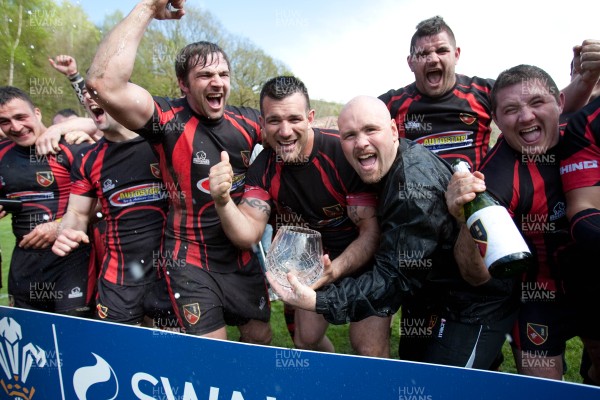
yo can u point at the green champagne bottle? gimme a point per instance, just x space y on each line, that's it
500 243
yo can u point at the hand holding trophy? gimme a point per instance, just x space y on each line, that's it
298 250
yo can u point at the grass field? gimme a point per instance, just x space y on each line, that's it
281 338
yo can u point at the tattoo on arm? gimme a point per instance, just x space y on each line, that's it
258 204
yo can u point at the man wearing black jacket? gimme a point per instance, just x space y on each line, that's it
453 312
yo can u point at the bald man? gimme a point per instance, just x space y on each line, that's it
453 312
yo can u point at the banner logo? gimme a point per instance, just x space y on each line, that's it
16 363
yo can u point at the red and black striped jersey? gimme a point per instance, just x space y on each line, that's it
455 125
313 194
125 177
529 187
42 183
581 149
188 145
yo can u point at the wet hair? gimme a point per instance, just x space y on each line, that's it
283 86
9 93
519 74
199 53
429 27
66 112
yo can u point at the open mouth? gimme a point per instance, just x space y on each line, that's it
97 111
215 100
531 135
434 77
367 160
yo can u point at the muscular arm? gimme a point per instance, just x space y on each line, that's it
245 223
360 250
74 225
112 66
47 142
582 199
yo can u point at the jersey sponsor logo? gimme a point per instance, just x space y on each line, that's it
155 169
192 312
467 118
22 357
137 194
44 178
102 311
536 333
30 196
107 185
246 157
238 181
200 158
480 236
573 167
75 293
447 140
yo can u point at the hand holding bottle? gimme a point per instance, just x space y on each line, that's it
463 188
500 243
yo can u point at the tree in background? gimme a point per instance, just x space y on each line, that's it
35 30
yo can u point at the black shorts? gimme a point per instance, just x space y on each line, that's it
41 280
207 301
545 327
427 336
130 304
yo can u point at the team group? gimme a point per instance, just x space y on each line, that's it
151 215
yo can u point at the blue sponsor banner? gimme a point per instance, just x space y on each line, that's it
47 356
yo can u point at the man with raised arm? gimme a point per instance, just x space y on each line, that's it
212 282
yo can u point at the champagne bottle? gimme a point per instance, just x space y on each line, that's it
500 243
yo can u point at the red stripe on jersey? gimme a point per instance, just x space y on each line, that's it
240 129
181 162
256 192
339 197
514 201
401 114
476 106
166 116
8 145
540 202
96 172
589 134
361 200
63 182
276 182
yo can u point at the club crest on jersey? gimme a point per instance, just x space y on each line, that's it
102 311
480 236
44 178
21 358
200 158
246 157
536 333
191 312
467 118
155 169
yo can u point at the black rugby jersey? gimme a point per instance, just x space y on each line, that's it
581 148
529 187
42 183
188 146
313 194
455 125
125 177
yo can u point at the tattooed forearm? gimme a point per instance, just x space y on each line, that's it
258 204
359 213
